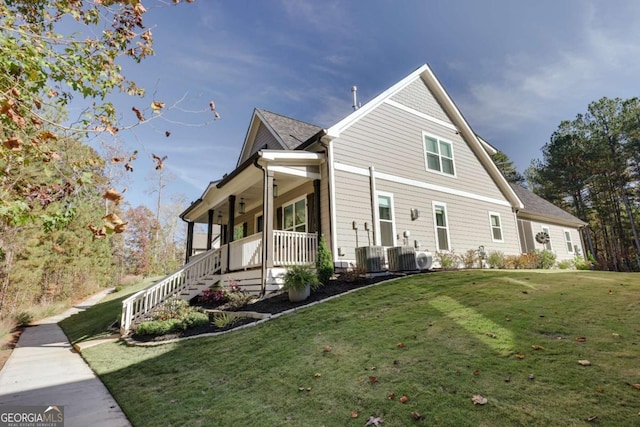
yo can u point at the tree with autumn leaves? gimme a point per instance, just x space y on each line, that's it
52 53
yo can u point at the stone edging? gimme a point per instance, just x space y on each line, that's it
131 342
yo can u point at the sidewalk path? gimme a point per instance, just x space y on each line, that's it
44 369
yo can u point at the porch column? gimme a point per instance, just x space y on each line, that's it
210 229
230 226
267 228
189 249
318 212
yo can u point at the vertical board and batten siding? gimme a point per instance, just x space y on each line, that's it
263 137
391 140
558 244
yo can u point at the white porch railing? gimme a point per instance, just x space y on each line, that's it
142 302
291 248
246 253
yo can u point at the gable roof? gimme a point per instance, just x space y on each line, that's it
539 208
288 132
479 147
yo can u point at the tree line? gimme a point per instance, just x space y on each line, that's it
591 167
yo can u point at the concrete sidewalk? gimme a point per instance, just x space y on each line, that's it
44 369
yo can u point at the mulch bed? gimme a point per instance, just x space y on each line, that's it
275 304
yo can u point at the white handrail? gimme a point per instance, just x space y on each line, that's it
291 247
143 301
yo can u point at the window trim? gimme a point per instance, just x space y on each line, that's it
393 218
255 223
567 242
446 227
491 227
440 156
293 202
547 229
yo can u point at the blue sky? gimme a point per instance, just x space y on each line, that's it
515 70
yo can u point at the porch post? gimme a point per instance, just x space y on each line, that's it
230 225
318 212
189 248
210 229
267 228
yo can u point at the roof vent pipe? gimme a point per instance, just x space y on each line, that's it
354 91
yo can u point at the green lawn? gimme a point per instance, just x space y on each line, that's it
461 333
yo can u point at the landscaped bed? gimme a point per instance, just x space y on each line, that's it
270 306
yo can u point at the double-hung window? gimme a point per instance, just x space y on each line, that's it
567 239
496 227
442 226
438 155
547 244
385 216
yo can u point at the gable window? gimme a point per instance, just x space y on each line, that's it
438 155
385 215
547 244
567 239
294 216
441 225
496 227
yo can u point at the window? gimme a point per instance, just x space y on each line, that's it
294 216
547 244
438 155
238 231
496 227
567 239
385 215
259 223
441 225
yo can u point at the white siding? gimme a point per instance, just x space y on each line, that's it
558 243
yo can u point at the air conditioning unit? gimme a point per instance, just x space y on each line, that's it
424 260
401 258
370 258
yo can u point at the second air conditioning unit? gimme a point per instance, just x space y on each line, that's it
401 258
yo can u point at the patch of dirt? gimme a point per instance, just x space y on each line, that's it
7 344
275 304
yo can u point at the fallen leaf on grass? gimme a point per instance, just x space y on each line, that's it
374 421
478 399
373 380
581 339
404 399
391 396
317 375
537 347
326 349
584 362
636 386
354 414
417 416
400 345
520 355
600 390
531 377
491 335
592 418
476 372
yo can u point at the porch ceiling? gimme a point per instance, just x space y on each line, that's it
247 183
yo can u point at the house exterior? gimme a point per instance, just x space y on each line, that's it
404 170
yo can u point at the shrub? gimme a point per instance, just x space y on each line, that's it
158 327
24 318
353 275
470 258
194 319
582 264
237 300
565 264
324 262
172 308
222 320
448 260
497 259
545 259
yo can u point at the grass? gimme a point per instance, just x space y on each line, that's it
280 372
95 322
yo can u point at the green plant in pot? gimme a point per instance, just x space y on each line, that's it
298 282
